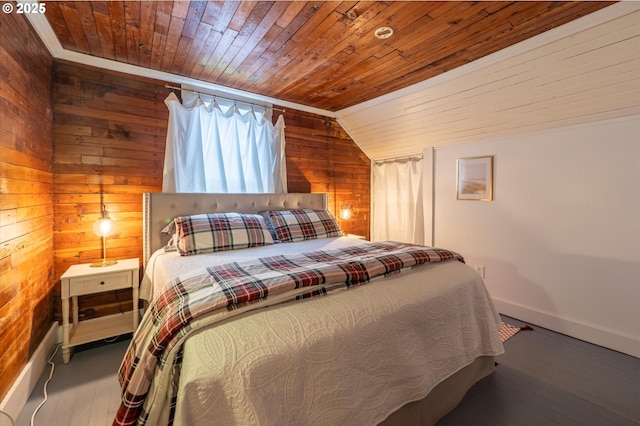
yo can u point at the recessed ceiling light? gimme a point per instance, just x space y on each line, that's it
384 32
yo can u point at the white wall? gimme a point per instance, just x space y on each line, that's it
561 240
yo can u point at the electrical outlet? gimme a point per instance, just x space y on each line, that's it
480 270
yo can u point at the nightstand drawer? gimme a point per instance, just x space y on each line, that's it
100 283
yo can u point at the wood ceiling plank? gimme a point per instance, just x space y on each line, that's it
441 10
365 47
280 45
255 43
184 45
220 49
195 50
180 9
250 23
160 31
338 37
294 8
173 38
424 34
351 68
399 21
355 38
317 53
74 25
58 25
207 51
219 14
89 27
163 17
255 60
495 6
132 13
312 29
103 26
442 58
229 33
193 18
132 30
157 50
242 14
116 15
100 7
354 83
147 25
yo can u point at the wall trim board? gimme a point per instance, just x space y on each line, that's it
16 398
587 332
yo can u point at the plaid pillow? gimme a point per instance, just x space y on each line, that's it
168 237
206 233
301 224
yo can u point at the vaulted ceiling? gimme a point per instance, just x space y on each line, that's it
319 54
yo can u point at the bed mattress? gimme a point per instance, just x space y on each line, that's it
352 357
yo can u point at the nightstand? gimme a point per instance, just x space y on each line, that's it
360 237
83 279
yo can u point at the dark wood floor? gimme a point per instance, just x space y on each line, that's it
544 378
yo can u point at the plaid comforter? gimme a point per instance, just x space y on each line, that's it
203 297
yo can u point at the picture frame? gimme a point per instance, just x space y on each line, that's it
475 178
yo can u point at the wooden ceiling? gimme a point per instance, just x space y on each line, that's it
318 54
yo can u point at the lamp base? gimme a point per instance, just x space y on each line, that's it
103 262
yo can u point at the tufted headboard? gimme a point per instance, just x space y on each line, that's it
159 208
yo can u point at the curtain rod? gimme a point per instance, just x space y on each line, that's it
168 86
407 158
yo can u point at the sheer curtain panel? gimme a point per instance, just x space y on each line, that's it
397 201
211 150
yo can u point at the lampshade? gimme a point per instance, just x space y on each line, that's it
345 212
104 227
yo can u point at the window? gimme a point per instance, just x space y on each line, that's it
220 146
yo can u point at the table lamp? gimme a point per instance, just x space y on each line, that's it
104 227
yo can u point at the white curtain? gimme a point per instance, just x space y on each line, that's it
211 150
397 201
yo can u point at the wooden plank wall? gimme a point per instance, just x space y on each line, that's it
321 157
26 216
109 137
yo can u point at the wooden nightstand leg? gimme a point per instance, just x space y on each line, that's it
66 351
74 299
66 355
136 313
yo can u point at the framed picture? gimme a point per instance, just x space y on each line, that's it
475 179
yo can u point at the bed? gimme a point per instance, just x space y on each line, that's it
397 348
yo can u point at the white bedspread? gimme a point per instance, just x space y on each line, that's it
350 358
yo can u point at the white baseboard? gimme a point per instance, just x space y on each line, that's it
589 333
18 395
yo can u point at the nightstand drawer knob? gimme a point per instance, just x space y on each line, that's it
101 282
